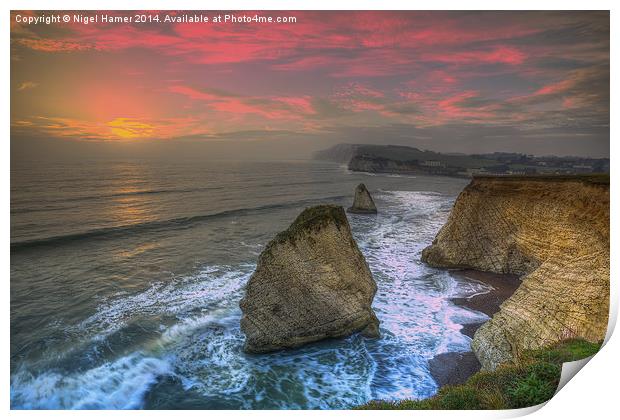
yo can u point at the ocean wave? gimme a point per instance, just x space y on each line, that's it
169 224
200 344
208 291
203 304
120 384
15 209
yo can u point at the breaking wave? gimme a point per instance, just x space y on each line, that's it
193 334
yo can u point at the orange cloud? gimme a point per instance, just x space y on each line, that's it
116 129
27 85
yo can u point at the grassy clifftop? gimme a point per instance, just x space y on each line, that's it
598 178
531 381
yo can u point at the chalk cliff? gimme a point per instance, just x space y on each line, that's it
311 283
554 231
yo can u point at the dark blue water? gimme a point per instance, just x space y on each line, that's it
126 278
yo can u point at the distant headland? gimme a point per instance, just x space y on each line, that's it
412 161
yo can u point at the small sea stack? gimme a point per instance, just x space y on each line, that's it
311 283
363 202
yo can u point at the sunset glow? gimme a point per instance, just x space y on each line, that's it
531 74
129 129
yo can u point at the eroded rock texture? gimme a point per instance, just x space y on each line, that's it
554 232
311 283
362 202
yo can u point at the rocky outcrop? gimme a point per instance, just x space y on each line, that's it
554 231
311 283
362 202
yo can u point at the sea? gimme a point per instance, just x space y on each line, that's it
126 277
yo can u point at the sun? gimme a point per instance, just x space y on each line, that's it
128 128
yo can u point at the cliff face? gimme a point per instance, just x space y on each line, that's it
372 164
552 231
375 164
311 283
340 153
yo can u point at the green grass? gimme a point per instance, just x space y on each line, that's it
532 381
595 178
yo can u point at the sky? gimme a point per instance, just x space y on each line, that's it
531 82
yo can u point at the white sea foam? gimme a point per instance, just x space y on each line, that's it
122 383
399 176
115 385
212 286
203 346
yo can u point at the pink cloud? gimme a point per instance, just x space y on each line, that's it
329 68
275 108
453 108
554 88
498 55
376 41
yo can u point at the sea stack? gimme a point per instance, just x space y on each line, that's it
311 283
363 202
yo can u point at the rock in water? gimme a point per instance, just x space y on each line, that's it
311 283
363 202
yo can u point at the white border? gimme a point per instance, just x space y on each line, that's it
592 394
